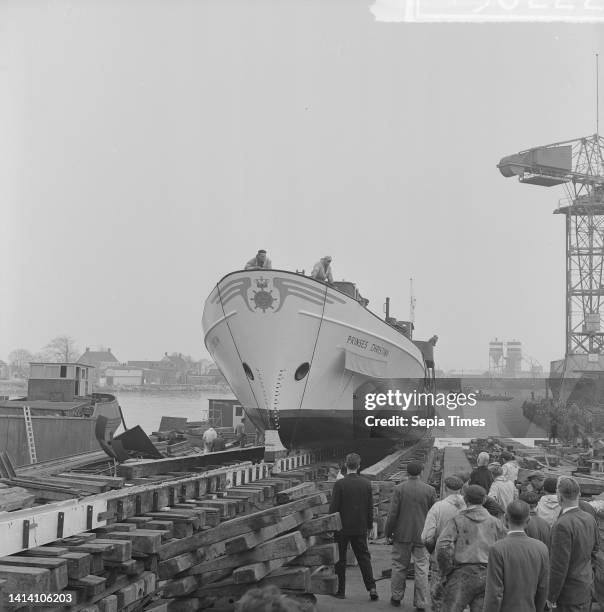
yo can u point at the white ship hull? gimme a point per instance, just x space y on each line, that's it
300 355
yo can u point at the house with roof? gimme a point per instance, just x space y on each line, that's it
100 360
170 370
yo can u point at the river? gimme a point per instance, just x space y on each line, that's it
147 409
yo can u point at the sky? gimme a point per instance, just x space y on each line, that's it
149 148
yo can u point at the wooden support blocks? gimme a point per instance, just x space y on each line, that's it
329 522
324 582
224 531
120 549
91 585
46 551
25 579
324 554
169 568
56 566
78 564
108 604
116 527
256 571
168 527
298 492
250 540
143 540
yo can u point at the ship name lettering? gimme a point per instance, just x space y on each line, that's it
376 348
357 342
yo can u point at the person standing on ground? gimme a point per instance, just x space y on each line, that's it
510 466
240 432
481 475
352 497
409 507
548 507
462 553
436 519
259 262
536 528
208 438
503 490
574 546
219 443
322 270
535 483
518 567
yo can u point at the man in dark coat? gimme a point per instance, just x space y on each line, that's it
574 545
518 567
410 503
352 497
481 475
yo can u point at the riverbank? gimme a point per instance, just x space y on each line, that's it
17 387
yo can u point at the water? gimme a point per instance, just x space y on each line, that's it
147 409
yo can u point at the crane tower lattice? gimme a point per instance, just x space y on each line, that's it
579 166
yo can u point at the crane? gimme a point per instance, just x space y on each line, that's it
578 165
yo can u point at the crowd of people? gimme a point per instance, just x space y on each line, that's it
491 544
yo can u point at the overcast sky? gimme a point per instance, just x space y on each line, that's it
149 148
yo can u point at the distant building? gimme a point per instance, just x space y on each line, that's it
100 360
124 376
4 370
59 382
170 370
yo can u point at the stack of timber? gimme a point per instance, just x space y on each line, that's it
177 546
284 545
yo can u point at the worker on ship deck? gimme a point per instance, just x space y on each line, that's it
259 262
240 432
209 437
322 270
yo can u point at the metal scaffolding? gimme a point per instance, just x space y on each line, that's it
579 166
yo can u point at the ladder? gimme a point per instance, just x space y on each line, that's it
29 431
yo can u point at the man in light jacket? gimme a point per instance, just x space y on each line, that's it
462 553
510 466
548 507
518 567
322 270
438 516
208 438
503 490
259 262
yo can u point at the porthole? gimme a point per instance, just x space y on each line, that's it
302 371
248 371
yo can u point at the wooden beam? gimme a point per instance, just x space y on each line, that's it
288 545
228 529
247 541
55 565
181 464
43 522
